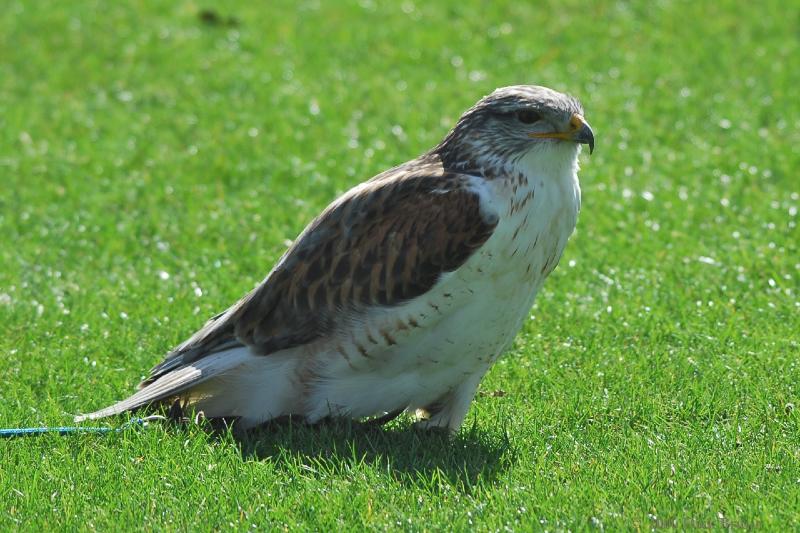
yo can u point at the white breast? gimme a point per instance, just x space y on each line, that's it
538 211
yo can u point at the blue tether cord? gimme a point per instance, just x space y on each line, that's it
68 430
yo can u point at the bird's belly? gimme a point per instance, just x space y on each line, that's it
410 355
422 367
462 327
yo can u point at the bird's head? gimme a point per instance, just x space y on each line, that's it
515 121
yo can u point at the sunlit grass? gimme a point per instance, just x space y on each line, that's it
154 162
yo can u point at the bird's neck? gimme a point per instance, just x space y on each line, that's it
471 155
557 164
465 153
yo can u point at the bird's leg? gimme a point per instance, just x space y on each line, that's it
384 419
175 414
449 410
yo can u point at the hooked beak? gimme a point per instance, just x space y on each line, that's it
580 132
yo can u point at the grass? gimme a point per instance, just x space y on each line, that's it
154 164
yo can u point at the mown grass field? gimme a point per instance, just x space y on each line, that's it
154 161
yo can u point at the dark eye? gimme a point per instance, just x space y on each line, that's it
528 116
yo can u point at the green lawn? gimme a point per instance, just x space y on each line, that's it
155 161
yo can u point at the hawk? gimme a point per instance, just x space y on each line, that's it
401 294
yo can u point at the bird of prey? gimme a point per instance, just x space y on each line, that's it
401 294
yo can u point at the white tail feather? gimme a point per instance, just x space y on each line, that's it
175 382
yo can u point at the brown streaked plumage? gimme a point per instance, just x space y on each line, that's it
379 287
363 250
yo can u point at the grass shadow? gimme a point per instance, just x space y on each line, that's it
411 456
